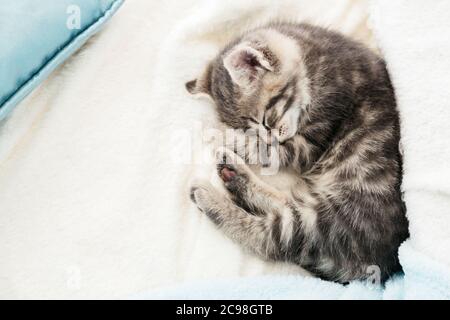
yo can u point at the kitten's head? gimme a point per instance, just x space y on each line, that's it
257 82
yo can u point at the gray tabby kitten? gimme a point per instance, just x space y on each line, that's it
329 106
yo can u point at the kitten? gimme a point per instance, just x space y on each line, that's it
328 105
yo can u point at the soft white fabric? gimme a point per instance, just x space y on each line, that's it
412 37
93 184
414 41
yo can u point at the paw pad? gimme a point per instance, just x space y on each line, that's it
226 174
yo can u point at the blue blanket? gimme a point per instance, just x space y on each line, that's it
423 279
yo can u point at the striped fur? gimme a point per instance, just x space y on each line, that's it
329 106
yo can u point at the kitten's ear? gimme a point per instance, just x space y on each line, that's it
191 87
246 64
200 86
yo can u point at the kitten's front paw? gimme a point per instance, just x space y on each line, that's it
232 170
235 181
226 172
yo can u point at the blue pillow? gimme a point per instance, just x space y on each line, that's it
36 36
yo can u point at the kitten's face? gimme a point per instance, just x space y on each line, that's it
258 83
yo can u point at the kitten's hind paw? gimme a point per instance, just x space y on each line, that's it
200 193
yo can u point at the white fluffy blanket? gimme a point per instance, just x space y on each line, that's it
95 164
412 35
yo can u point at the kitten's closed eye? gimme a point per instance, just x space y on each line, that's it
251 119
